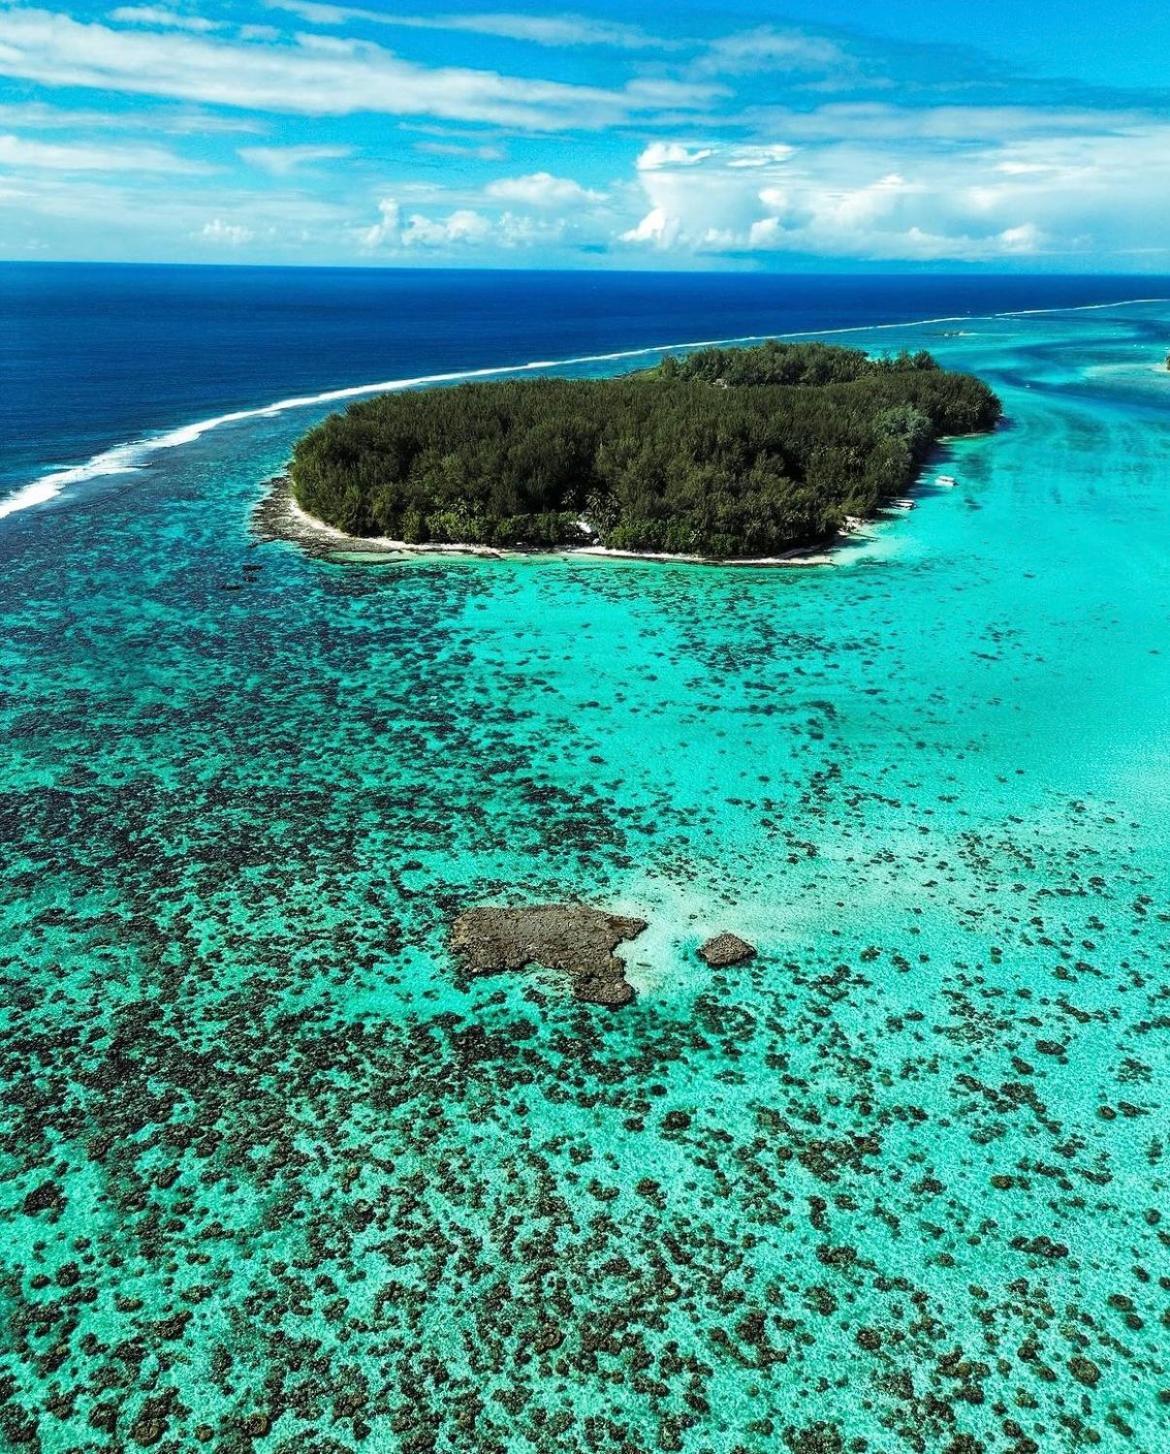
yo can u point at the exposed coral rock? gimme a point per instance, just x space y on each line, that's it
574 938
726 949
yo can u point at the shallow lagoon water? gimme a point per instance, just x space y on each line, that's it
277 1178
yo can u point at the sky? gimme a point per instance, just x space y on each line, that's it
826 135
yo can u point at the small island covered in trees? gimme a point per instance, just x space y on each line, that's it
722 453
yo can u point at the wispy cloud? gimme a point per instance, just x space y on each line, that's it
742 156
98 205
942 125
545 30
481 152
18 151
178 121
767 48
314 76
282 161
161 18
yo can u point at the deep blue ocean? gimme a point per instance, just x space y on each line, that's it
93 356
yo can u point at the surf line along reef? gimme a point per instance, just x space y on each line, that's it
724 453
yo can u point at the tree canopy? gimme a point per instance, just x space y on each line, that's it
724 452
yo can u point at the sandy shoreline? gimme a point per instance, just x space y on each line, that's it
279 517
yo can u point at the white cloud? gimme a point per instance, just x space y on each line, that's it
1027 238
524 231
768 49
226 233
662 154
311 75
561 30
459 228
484 152
864 206
125 217
658 227
972 199
542 189
182 121
546 30
156 16
757 156
388 230
282 161
17 151
316 14
873 121
672 154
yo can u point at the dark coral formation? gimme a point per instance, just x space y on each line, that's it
726 949
573 938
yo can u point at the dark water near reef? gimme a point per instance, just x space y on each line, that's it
275 1178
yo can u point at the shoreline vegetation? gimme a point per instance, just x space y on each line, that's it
752 455
278 517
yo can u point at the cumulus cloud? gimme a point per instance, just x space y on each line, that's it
973 200
387 230
460 228
659 228
542 189
454 231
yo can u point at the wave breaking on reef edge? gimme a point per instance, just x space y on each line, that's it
133 455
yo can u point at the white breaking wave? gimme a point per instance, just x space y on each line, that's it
126 458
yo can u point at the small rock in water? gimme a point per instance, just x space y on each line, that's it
726 949
574 938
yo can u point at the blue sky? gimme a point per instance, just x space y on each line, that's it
682 135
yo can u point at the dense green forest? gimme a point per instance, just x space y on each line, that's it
725 452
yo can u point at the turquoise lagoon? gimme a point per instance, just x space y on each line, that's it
278 1178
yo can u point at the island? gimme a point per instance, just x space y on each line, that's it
722 453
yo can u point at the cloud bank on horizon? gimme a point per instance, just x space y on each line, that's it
626 135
